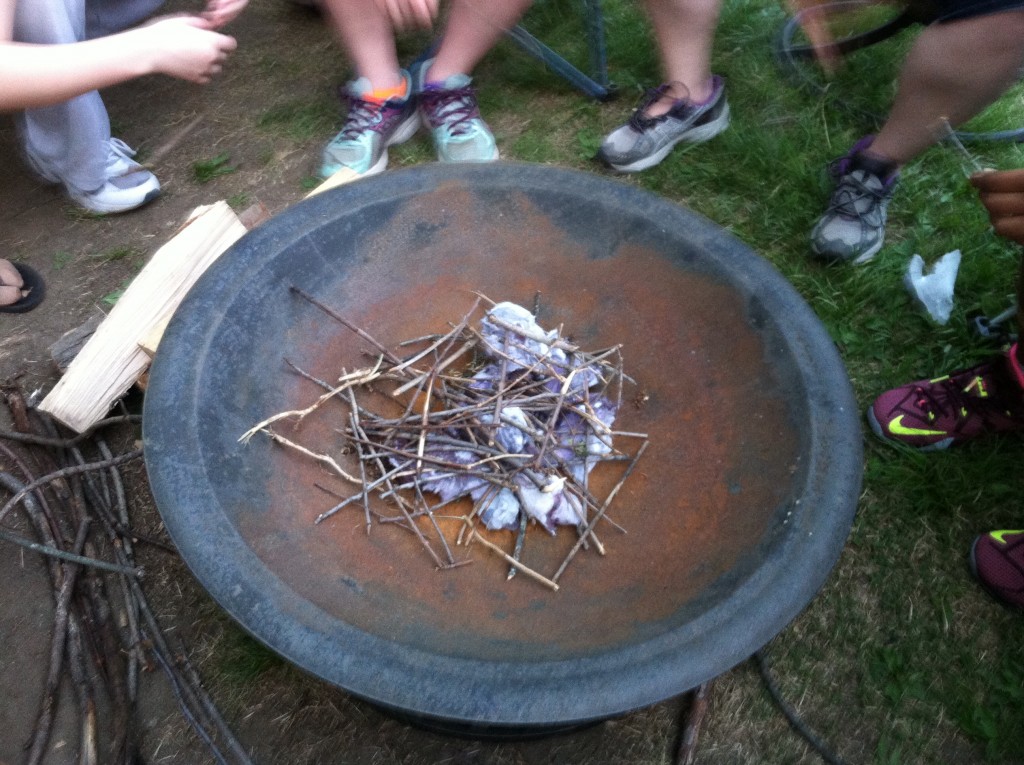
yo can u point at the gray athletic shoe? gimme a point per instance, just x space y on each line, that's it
852 230
644 141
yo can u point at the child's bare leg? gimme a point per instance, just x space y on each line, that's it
953 71
474 27
367 36
685 32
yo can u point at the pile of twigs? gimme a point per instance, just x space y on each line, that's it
72 495
514 428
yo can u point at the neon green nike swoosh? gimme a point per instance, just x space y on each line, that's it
897 428
999 536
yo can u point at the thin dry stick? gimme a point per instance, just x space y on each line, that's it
120 535
345 322
84 690
56 552
47 709
169 145
687 754
324 459
517 551
65 473
425 507
468 346
359 377
366 488
422 441
189 696
126 541
447 338
512 561
515 329
405 511
353 417
206 704
185 704
601 512
31 438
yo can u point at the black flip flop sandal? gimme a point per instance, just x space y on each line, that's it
34 283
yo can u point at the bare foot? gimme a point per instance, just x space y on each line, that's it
10 284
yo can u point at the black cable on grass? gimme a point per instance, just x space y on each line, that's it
798 725
790 56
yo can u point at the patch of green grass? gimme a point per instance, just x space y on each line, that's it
245 660
240 201
61 259
113 296
995 717
301 120
81 214
206 170
118 253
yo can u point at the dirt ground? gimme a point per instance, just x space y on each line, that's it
285 57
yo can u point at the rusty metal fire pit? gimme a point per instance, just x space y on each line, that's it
734 517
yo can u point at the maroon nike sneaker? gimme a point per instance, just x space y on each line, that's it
997 560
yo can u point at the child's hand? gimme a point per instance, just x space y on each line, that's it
409 13
220 12
1002 193
184 47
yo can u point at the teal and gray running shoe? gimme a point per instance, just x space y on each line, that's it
370 128
449 110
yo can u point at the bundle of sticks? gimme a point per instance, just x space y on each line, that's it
71 493
508 416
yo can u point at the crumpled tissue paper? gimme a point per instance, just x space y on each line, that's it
932 288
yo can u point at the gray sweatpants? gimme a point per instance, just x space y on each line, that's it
68 140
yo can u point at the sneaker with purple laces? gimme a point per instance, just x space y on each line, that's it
645 141
852 229
997 561
929 415
370 128
449 110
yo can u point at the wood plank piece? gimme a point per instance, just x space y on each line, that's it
111 361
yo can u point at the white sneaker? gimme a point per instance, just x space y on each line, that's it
119 193
119 158
119 162
128 184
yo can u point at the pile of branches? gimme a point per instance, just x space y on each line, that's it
508 415
72 495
